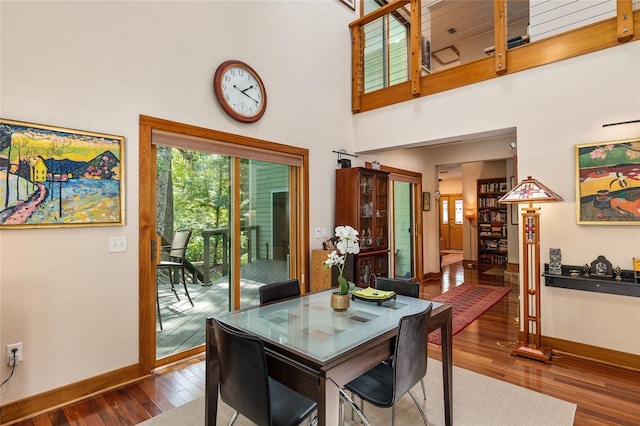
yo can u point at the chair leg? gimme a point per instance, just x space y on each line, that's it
422 413
424 392
184 283
354 406
171 278
158 303
233 418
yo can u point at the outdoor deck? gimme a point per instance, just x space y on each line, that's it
184 326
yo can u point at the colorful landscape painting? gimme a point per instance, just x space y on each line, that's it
52 177
608 183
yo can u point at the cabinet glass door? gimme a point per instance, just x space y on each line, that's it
382 230
366 211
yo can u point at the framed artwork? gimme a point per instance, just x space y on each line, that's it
608 183
350 3
57 177
426 201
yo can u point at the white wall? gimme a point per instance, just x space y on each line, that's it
97 66
552 108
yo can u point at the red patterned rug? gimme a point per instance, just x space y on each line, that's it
469 302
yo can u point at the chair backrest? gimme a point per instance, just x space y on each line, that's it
410 354
401 287
278 291
244 378
180 243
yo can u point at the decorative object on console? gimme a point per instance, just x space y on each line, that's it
608 183
636 269
601 267
530 190
347 244
555 261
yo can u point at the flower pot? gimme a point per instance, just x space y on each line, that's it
339 302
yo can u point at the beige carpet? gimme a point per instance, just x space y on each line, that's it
478 401
448 259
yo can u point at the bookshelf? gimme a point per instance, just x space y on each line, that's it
492 222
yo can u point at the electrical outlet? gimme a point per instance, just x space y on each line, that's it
318 232
18 355
117 244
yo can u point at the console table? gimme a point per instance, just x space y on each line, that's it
625 287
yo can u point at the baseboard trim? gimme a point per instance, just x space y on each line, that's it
596 354
46 401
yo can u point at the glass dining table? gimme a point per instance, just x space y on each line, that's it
315 350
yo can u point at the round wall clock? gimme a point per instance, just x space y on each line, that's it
239 91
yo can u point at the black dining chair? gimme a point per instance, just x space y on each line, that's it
386 383
245 384
279 291
403 288
175 263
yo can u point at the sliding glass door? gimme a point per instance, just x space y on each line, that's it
242 204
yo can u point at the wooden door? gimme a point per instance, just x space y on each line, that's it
451 220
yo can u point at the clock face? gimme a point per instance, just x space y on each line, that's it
240 91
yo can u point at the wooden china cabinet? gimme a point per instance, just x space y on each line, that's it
362 202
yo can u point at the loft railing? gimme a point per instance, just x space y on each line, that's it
412 48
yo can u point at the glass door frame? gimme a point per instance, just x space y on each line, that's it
415 179
150 127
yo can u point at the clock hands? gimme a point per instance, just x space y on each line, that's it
244 92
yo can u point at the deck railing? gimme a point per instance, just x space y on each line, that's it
411 48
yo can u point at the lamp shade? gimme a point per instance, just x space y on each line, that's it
530 190
470 214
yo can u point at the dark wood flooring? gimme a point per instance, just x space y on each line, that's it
605 395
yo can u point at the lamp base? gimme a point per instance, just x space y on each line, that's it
539 354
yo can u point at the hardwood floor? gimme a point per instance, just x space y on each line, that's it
605 395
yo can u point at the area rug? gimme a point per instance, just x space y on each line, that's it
494 271
477 401
469 302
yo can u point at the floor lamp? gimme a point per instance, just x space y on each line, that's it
530 190
470 215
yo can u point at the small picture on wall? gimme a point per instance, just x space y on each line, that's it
350 3
426 201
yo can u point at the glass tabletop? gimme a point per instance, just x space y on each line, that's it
310 326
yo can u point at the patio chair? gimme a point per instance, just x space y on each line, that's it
386 383
279 291
175 263
245 384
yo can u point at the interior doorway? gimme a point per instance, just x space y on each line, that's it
451 220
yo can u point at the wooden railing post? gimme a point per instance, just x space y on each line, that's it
415 33
625 20
357 65
500 28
